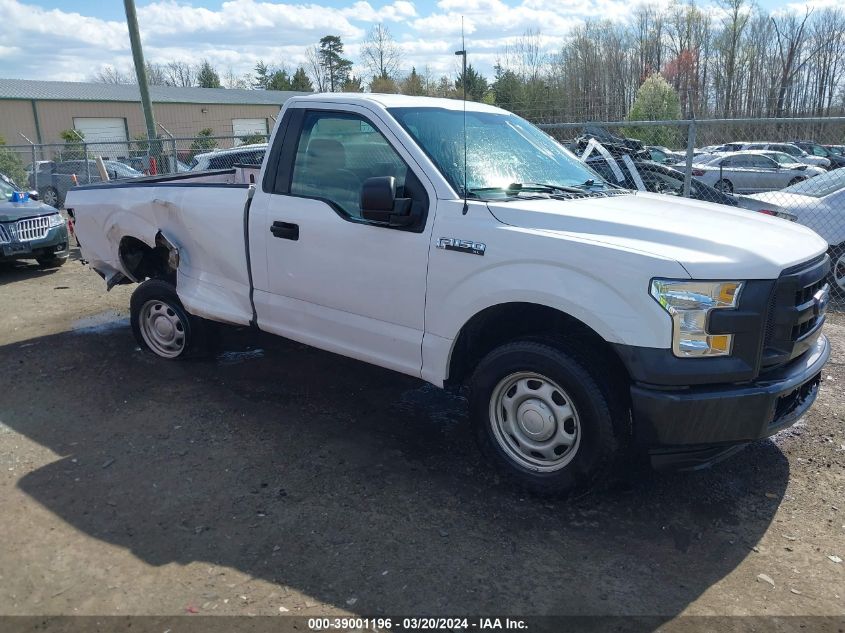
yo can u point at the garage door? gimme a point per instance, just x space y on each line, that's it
110 132
243 128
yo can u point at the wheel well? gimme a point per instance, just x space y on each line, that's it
145 262
508 322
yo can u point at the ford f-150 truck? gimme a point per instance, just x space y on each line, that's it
469 248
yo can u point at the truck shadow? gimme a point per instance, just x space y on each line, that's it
344 480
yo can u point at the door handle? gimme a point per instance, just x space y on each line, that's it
285 230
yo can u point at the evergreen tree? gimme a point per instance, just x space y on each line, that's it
412 84
301 82
476 84
207 77
279 80
262 75
337 68
352 84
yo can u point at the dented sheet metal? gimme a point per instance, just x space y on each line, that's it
200 226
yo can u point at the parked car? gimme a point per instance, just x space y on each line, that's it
226 158
790 162
786 148
56 178
815 149
582 316
30 229
747 172
839 150
819 204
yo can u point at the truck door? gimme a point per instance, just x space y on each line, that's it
328 277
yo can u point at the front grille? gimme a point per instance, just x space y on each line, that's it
795 317
33 229
4 235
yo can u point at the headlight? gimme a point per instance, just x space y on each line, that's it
689 303
56 220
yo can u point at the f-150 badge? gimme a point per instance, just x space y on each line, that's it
462 246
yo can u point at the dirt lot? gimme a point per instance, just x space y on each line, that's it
278 477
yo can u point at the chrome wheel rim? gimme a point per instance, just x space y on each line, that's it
839 271
162 329
51 198
535 422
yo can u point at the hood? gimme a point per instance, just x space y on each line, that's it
710 241
13 211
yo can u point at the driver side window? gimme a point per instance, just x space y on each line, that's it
336 153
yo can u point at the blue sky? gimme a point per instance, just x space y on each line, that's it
73 40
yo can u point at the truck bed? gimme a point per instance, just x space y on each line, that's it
201 214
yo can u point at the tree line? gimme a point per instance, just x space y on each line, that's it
737 62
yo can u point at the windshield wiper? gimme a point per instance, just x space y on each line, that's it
540 186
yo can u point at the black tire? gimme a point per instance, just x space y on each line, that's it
189 335
51 262
50 196
795 181
587 394
724 185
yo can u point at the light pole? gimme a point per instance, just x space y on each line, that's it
140 70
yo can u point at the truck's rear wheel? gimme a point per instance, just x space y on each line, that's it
160 323
541 417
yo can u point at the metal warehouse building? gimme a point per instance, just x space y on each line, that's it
41 110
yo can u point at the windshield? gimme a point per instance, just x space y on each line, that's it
783 159
502 149
820 186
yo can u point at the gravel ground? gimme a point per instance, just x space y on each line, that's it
278 477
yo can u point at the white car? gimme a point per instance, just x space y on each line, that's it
819 204
787 148
227 158
583 317
749 172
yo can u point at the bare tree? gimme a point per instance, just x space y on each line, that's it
112 75
315 69
380 54
179 73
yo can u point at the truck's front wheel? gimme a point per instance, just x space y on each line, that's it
542 417
160 323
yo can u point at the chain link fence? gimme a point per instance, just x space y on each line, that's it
792 168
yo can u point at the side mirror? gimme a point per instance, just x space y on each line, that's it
380 204
33 195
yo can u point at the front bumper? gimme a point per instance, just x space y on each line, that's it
54 244
697 426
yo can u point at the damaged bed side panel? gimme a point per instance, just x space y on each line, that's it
204 224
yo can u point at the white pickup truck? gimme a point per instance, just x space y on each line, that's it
470 248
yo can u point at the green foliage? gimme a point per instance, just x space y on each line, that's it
352 84
203 142
252 139
279 80
508 90
207 77
412 84
11 165
656 100
262 76
301 82
383 85
476 84
337 68
73 148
